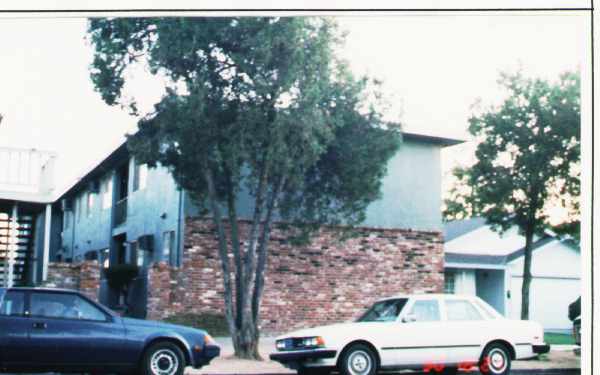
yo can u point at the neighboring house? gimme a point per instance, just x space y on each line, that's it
121 212
481 261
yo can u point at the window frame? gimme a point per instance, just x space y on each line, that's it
107 189
407 310
107 317
24 314
482 316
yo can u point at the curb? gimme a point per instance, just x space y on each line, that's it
550 371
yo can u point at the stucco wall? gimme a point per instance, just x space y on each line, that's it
411 191
151 210
325 281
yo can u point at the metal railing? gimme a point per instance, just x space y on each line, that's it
26 171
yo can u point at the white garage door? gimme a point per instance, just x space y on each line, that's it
549 300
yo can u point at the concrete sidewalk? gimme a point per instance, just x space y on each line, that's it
561 357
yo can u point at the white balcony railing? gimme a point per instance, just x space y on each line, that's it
26 174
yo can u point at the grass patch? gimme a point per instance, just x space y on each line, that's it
214 324
559 339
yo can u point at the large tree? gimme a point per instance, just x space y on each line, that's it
257 108
527 163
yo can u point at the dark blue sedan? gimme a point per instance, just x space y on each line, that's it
45 330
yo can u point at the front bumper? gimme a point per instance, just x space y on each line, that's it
540 349
203 357
302 355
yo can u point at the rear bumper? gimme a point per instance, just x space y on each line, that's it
540 349
301 356
207 354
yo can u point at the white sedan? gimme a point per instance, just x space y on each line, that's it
430 332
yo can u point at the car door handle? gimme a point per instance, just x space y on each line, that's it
40 325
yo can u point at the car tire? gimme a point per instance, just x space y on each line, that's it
495 360
163 358
358 359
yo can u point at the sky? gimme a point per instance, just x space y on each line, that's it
433 68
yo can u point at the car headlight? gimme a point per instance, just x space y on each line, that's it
280 344
208 340
313 342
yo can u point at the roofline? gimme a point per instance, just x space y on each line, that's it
443 141
496 259
91 171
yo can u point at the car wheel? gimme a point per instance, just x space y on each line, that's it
495 360
163 358
359 359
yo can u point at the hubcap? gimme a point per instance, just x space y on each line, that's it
164 362
497 360
359 363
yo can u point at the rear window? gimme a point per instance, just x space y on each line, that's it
13 304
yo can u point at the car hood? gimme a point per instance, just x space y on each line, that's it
131 322
328 330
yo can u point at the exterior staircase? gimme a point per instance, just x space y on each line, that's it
16 249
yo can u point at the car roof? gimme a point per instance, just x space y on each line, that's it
429 296
41 289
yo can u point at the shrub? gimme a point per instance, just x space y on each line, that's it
214 324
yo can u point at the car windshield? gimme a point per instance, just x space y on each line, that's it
384 311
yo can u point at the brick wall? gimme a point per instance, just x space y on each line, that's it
84 276
326 281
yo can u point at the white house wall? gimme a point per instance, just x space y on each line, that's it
556 283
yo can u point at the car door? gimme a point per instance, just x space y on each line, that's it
465 331
414 341
69 331
14 327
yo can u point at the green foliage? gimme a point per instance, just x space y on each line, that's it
214 324
262 96
255 109
528 157
558 339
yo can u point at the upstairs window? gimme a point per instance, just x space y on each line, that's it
89 203
140 176
107 194
67 217
169 246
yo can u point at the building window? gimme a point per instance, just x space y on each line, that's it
89 204
107 194
67 216
449 284
105 258
169 246
140 176
133 250
80 204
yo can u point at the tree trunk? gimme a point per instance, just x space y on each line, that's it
526 272
223 253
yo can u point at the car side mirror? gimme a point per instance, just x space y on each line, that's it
409 318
